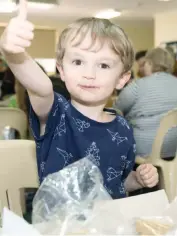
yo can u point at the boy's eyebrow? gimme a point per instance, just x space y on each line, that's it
108 59
101 58
77 54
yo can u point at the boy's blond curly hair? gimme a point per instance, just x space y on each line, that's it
99 29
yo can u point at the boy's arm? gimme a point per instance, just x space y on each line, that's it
13 43
36 82
146 175
131 183
130 178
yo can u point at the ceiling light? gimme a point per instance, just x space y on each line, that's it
164 0
108 14
42 6
8 7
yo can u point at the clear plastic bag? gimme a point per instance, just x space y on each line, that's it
65 200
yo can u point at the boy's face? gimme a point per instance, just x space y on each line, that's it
92 75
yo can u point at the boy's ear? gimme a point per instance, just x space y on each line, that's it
60 69
123 80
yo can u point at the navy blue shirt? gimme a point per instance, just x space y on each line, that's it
70 136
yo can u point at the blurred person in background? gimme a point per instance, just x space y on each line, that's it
3 67
8 85
170 49
145 101
140 59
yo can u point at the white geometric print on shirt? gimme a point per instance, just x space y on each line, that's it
123 157
134 148
38 145
61 128
60 98
124 162
66 156
122 188
128 164
81 124
116 137
108 190
56 109
65 103
92 154
123 122
42 166
113 174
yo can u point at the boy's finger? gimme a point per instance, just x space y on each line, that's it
145 170
141 168
22 14
152 181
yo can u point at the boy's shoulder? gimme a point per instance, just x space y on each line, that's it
60 102
125 129
121 120
122 125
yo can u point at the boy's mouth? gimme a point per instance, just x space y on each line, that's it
88 86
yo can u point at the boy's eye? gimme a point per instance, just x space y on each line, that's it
77 62
104 66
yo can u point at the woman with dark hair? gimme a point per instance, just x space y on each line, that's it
140 59
3 67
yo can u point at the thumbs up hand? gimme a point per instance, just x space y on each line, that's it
19 32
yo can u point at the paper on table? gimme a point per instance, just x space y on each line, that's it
150 204
15 225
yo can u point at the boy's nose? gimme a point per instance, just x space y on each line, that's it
89 73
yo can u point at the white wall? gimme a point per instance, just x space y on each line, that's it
141 32
165 27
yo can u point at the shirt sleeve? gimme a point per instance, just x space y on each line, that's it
126 98
56 110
